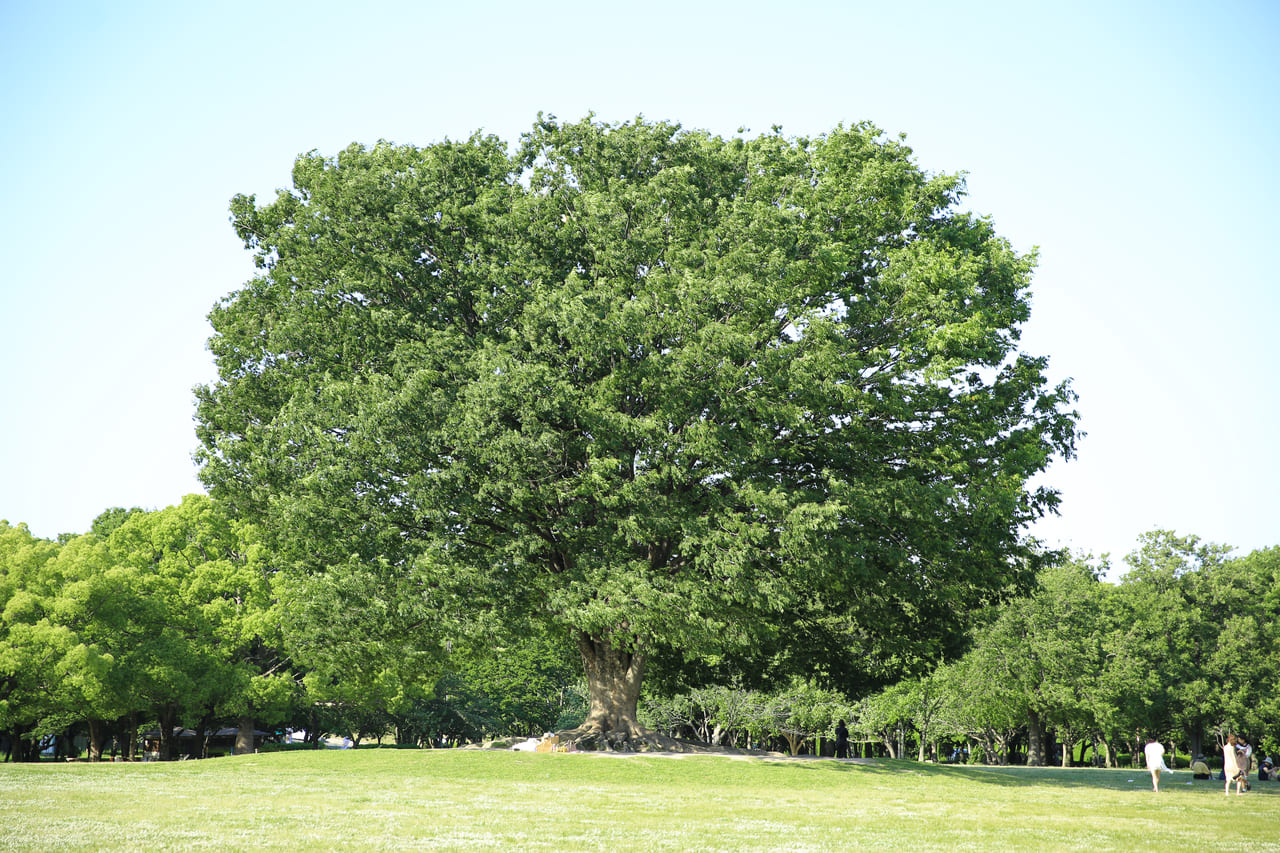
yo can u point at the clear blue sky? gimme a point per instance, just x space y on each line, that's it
1135 143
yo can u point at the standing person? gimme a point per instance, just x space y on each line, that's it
842 740
1155 762
1231 766
1244 760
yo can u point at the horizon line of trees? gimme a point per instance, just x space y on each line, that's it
1185 648
156 622
178 618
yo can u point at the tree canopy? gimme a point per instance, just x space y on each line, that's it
653 387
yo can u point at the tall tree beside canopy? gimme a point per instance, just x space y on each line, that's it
199 639
1172 604
1045 650
652 386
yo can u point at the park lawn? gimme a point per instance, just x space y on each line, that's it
496 800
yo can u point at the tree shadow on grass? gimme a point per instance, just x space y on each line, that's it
1123 779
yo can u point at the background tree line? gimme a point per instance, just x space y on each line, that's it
156 622
179 619
1185 648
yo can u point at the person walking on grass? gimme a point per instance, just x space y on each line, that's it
1244 761
1231 760
1155 762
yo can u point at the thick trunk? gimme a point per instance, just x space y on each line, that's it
1196 740
168 717
244 737
613 686
17 748
131 737
613 683
201 740
1035 740
97 738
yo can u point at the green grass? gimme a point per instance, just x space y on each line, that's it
488 800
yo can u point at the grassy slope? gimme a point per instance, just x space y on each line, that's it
476 800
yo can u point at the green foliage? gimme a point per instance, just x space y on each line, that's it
360 630
1045 651
1184 646
525 686
741 717
201 631
109 520
515 688
803 710
649 386
169 617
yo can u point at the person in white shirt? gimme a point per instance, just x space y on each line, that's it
1233 757
1155 762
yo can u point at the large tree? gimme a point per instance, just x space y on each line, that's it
656 388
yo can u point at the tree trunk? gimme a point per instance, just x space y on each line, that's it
130 746
1035 740
1195 736
244 737
168 718
22 741
203 728
16 751
795 741
613 683
97 736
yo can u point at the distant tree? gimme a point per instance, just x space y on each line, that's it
202 632
1166 630
1054 638
361 633
26 638
655 388
677 715
803 711
89 607
923 702
724 713
517 687
110 519
1260 695
885 716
